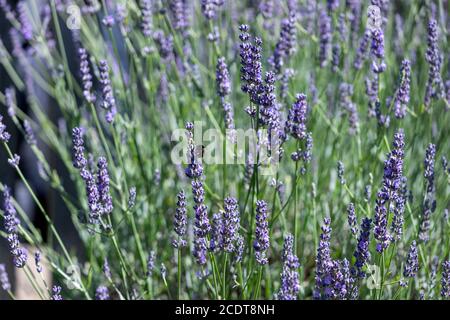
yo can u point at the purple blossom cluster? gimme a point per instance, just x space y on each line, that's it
97 186
12 224
429 203
180 221
286 43
4 279
402 97
412 263
290 281
86 76
109 102
389 193
261 243
362 253
434 87
333 279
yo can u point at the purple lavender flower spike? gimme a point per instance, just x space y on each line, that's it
210 7
109 102
102 293
261 243
216 242
362 253
434 59
131 197
25 25
412 263
20 255
146 17
352 218
37 261
345 93
103 186
445 280
296 121
180 220
93 196
290 282
402 96
398 218
377 51
323 261
165 44
4 135
86 76
230 224
361 53
222 78
286 43
10 101
335 57
238 249
56 293
79 159
251 69
11 222
29 134
200 250
341 172
180 16
390 190
429 204
106 269
151 263
4 279
325 37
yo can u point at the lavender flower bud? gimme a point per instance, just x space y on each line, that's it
56 293
11 222
14 161
341 172
361 53
10 101
429 204
445 280
238 249
180 220
179 12
362 253
29 134
4 279
109 102
37 261
102 293
25 24
20 255
151 263
345 92
79 160
434 59
261 243
216 242
402 96
323 261
103 186
325 37
86 76
4 135
106 269
286 43
131 197
93 196
222 78
146 17
352 218
296 120
230 224
290 282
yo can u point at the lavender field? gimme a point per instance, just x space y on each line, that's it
219 149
